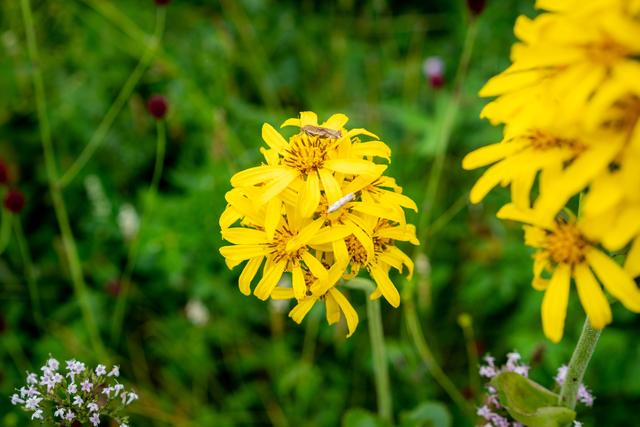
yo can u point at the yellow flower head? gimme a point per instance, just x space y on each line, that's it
319 208
563 252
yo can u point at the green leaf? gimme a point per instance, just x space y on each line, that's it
530 403
358 417
427 414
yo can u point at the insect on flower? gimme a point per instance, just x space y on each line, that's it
322 132
340 202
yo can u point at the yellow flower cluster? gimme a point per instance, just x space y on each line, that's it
320 209
570 105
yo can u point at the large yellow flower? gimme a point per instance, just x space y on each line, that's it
566 62
317 206
563 252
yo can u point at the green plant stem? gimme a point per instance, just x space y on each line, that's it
5 228
132 256
380 367
30 272
466 323
415 330
578 364
125 92
62 217
445 130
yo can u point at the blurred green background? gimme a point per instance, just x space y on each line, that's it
198 351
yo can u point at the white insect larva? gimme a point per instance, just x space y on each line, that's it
340 202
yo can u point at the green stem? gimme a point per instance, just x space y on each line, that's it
103 128
5 229
380 367
68 241
125 280
415 330
30 272
466 323
446 128
578 364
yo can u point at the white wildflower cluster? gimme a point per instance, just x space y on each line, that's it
74 394
493 413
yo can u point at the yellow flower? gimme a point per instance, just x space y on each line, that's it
567 62
563 251
318 205
309 161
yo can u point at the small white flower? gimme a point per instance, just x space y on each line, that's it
86 386
132 396
77 400
59 413
128 221
115 371
93 407
72 388
37 415
95 419
101 370
107 391
32 378
70 416
53 364
15 399
32 403
117 389
197 312
124 425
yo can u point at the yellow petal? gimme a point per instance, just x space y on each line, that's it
315 266
490 154
244 236
341 253
332 309
632 263
291 122
282 293
626 227
336 121
615 280
349 313
248 273
272 217
228 217
299 286
554 303
385 285
305 235
521 190
310 195
352 166
330 234
271 274
512 212
308 118
258 175
371 148
275 186
273 138
592 298
330 185
360 131
301 309
242 252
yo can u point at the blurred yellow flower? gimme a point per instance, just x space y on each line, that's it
563 251
319 205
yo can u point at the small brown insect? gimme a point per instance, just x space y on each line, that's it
321 132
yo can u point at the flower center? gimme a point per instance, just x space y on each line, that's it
279 246
624 114
607 52
356 250
307 153
543 141
566 244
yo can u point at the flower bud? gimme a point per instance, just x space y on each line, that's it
14 201
476 6
158 106
433 68
4 173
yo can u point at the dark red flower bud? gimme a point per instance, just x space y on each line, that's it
14 201
433 69
4 173
476 6
162 2
157 106
436 82
113 287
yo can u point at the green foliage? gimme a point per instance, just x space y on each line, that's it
530 403
226 67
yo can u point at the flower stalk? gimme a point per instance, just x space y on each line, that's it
578 364
379 353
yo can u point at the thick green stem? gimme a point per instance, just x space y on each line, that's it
62 217
30 273
578 364
380 368
103 128
125 280
415 330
